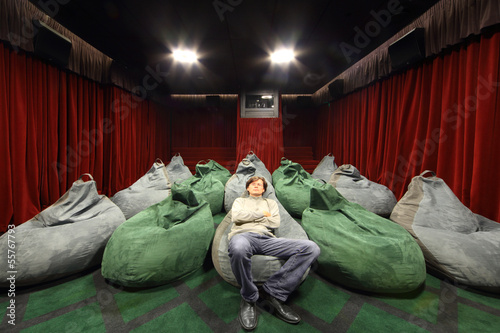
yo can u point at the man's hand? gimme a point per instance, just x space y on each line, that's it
266 213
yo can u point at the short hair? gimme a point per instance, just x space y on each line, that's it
254 179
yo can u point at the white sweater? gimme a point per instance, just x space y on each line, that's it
248 216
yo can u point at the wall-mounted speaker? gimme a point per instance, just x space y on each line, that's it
408 50
51 45
305 102
336 88
213 100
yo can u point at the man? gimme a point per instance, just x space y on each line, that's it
254 219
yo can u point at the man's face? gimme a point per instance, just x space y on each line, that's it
256 188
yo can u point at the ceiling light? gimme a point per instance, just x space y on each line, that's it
282 56
185 56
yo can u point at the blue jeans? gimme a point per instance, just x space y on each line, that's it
300 254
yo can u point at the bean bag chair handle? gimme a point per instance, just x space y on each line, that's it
86 174
426 171
159 161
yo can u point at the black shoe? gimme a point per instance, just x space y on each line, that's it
282 311
248 315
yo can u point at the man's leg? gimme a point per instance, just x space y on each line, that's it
241 249
301 254
240 255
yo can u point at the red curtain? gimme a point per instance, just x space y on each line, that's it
56 126
263 136
299 127
203 127
442 116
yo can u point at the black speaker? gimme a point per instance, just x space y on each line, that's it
305 102
408 50
51 45
213 100
336 88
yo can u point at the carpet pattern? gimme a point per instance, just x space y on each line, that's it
204 302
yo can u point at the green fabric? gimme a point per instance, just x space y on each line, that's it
206 187
293 185
163 243
218 171
360 249
208 184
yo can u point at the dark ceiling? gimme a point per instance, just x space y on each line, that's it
233 38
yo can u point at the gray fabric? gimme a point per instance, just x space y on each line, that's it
65 238
150 189
439 201
260 167
325 168
235 186
456 243
356 188
262 266
176 170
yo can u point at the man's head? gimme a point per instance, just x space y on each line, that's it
256 186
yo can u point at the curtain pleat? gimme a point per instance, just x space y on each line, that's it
6 199
263 136
203 127
485 189
55 126
442 116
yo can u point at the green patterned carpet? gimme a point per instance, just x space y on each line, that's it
204 302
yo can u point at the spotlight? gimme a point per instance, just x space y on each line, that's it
282 56
185 56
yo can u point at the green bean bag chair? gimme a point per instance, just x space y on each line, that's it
208 183
360 249
215 169
293 184
161 244
457 244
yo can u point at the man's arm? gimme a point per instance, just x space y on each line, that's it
241 215
273 220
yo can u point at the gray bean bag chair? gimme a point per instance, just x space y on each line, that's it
325 168
63 239
457 244
248 167
161 244
260 167
177 171
377 198
150 189
262 266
